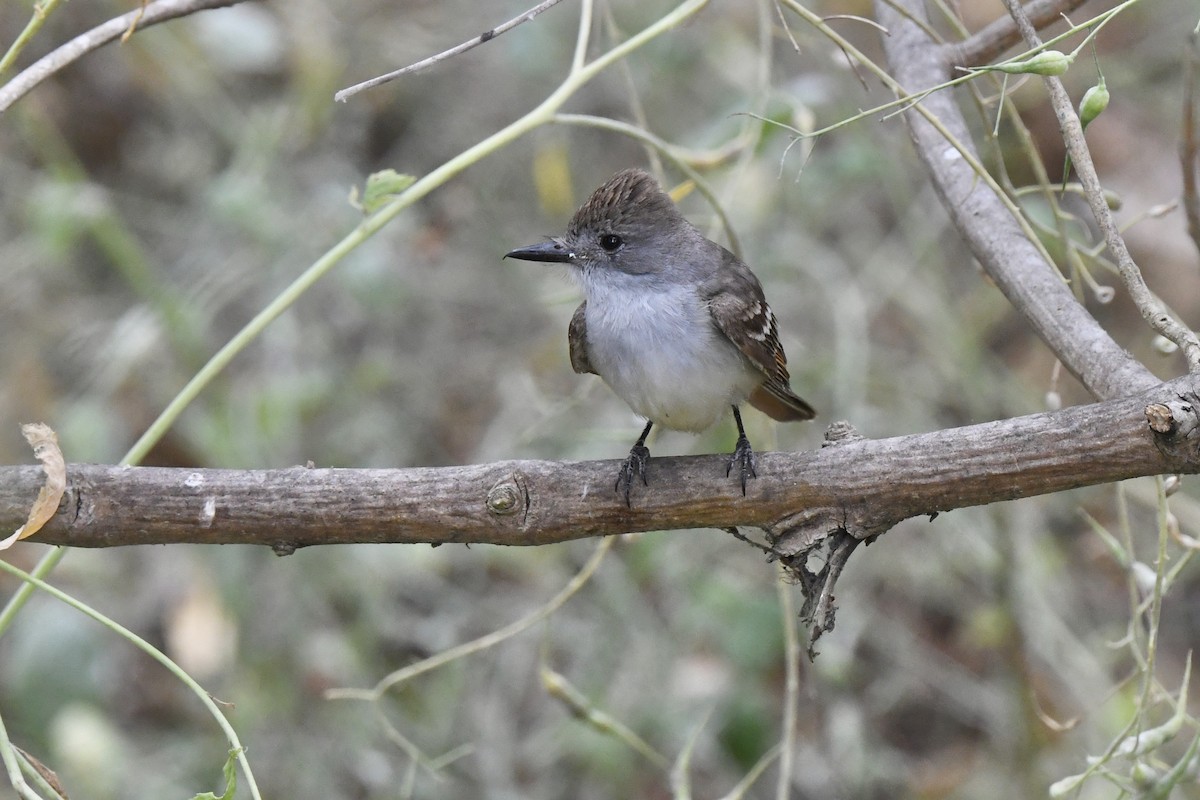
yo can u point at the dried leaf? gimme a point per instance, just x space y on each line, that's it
48 775
44 442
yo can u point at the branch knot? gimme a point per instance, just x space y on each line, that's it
1175 425
841 432
508 496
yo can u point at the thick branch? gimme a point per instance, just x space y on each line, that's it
1034 288
862 486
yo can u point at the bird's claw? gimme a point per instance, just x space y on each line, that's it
633 467
743 457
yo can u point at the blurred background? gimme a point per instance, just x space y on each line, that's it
158 193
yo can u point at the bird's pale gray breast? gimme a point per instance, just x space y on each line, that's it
658 349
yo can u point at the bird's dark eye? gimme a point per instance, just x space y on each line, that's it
611 242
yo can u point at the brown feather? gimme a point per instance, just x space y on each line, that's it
577 341
740 311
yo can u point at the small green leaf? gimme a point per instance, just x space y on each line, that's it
230 770
382 187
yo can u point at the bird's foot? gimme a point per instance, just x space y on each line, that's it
632 468
743 457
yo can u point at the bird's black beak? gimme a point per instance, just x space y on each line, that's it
546 251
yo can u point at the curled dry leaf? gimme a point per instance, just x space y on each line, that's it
44 442
48 775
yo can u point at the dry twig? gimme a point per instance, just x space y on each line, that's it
486 36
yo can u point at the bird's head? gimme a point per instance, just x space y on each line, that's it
629 225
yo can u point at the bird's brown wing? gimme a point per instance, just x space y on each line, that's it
577 341
740 311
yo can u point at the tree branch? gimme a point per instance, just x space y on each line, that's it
862 487
1035 289
84 43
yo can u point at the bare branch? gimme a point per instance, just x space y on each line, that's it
81 45
486 36
996 37
1034 288
861 487
1151 308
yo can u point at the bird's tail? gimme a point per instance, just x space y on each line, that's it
780 402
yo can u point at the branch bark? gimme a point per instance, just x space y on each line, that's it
862 487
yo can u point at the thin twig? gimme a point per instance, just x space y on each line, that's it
857 18
84 43
1152 310
786 28
486 36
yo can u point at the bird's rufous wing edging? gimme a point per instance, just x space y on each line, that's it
746 319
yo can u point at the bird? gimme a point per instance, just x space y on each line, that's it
674 323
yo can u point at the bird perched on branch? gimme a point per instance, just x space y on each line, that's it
674 323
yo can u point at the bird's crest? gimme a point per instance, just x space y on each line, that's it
629 197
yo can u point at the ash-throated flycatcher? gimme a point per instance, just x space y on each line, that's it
674 323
